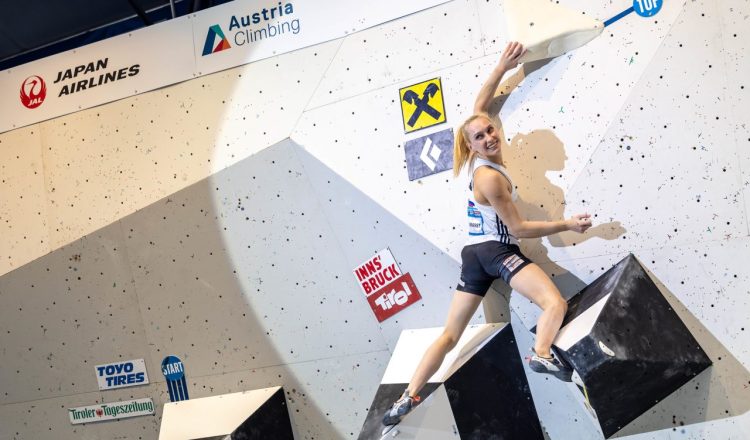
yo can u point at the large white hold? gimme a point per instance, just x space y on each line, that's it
547 29
228 415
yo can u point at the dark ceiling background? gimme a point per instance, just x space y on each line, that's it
34 29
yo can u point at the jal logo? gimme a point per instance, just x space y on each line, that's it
33 92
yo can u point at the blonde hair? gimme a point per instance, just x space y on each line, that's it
462 152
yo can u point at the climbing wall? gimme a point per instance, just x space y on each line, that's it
220 219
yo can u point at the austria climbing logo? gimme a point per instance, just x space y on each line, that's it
33 92
210 46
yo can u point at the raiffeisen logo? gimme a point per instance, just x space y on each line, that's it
210 47
33 92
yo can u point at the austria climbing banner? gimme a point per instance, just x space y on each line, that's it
177 50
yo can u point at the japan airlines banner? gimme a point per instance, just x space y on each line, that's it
181 49
95 74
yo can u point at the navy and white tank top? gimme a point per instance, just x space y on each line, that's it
484 223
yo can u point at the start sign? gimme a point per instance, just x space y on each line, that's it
121 374
174 372
387 289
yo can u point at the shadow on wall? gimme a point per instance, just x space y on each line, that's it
291 230
529 157
238 275
246 276
718 392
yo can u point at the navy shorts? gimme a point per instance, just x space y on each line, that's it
483 263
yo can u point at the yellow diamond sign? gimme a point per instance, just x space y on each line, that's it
422 105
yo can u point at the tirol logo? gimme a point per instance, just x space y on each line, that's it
210 47
33 92
394 297
388 291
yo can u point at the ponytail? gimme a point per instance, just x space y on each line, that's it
462 153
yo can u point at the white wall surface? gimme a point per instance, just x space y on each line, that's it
647 127
246 276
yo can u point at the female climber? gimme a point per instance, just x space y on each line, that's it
492 249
